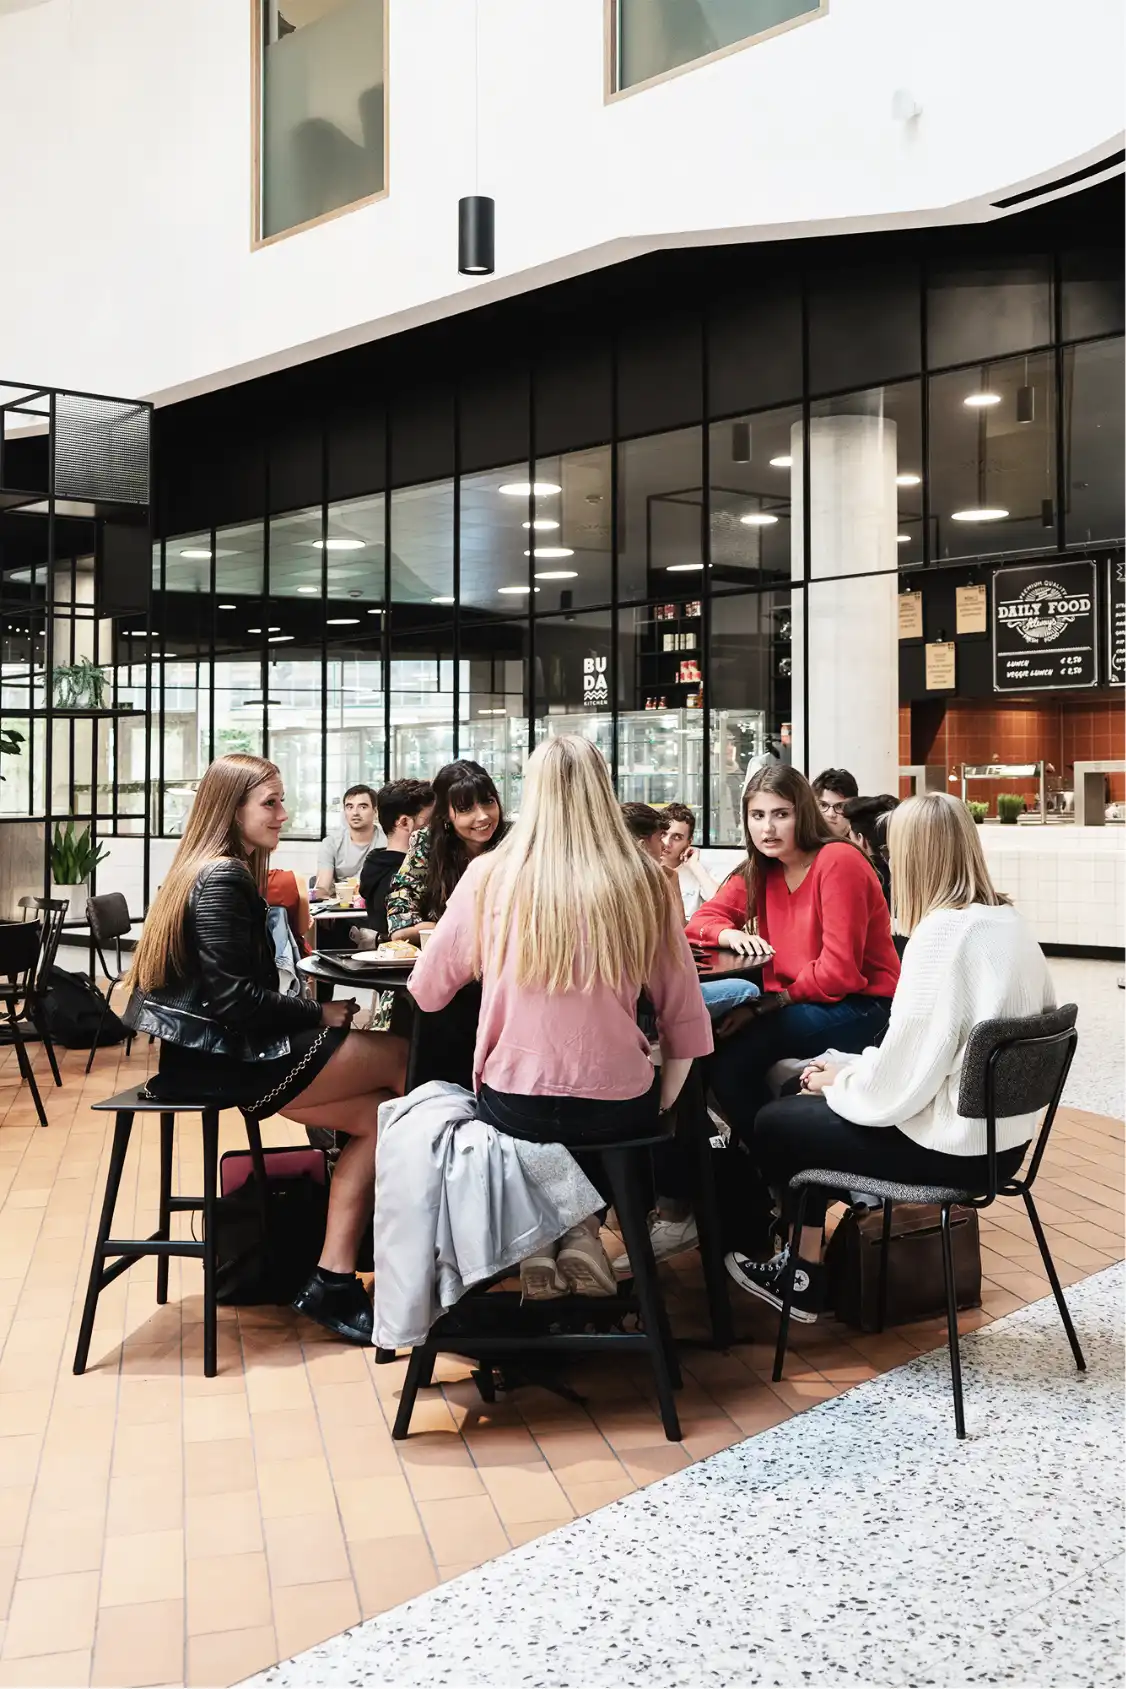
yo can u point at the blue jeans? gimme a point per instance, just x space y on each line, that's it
738 1070
722 995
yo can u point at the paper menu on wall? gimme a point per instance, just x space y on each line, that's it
910 615
972 609
941 668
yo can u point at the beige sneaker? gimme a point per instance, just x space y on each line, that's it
540 1278
584 1263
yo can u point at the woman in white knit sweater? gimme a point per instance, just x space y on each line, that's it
892 1112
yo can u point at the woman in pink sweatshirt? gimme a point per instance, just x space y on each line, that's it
565 924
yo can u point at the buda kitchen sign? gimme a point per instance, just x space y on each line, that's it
1045 627
596 687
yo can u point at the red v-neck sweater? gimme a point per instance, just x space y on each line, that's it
831 937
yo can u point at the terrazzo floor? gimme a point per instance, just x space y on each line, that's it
860 1543
1098 1074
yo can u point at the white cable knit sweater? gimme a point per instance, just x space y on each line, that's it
961 966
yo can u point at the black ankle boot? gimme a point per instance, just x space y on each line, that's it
341 1307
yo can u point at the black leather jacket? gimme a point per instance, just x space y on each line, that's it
229 1003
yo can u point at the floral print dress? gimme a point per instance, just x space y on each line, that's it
405 908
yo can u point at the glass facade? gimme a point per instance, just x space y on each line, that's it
654 37
321 102
667 531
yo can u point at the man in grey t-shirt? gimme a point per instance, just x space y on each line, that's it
341 854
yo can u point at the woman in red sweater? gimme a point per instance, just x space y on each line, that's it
820 918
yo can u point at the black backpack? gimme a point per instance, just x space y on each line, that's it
72 1008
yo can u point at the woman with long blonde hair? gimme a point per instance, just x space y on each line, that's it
205 983
565 923
892 1111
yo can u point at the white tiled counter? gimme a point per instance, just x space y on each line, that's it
1068 881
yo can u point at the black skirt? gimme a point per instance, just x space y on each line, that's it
259 1088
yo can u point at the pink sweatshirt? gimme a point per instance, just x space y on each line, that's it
566 1043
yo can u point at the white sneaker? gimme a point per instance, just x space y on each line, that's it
668 1237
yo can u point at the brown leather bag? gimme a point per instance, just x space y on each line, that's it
915 1282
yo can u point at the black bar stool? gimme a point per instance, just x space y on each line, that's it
122 1252
626 1168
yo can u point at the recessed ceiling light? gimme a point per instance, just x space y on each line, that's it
380 612
194 552
492 712
259 630
130 633
433 601
758 519
682 568
226 606
907 480
515 591
980 401
525 489
903 539
986 514
338 545
557 574
280 639
342 621
542 524
781 462
551 551
308 589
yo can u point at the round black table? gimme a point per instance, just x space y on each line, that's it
714 963
326 973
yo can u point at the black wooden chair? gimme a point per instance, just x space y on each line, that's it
122 1252
21 944
475 1329
110 922
1010 1067
50 912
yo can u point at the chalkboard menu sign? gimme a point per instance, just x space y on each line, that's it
1116 621
1045 627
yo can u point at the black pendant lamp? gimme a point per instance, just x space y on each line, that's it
476 213
740 442
476 245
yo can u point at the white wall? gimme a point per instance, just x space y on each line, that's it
125 192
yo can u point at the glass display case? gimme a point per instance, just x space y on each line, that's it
661 757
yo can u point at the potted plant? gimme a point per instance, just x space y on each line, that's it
80 686
1009 806
978 810
73 860
10 742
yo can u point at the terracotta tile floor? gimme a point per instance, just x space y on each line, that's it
157 1527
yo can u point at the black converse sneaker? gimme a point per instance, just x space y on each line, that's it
767 1280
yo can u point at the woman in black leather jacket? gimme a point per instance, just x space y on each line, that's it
205 983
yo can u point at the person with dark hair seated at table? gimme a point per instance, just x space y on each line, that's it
403 807
466 822
819 914
646 826
868 820
891 1112
833 788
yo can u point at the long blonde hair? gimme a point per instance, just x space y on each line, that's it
936 859
568 893
210 834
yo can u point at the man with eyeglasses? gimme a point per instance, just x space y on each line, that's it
832 789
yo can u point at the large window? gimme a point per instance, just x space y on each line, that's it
321 109
651 38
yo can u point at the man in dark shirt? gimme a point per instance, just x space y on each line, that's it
403 807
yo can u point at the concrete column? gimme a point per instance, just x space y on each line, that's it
853 634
